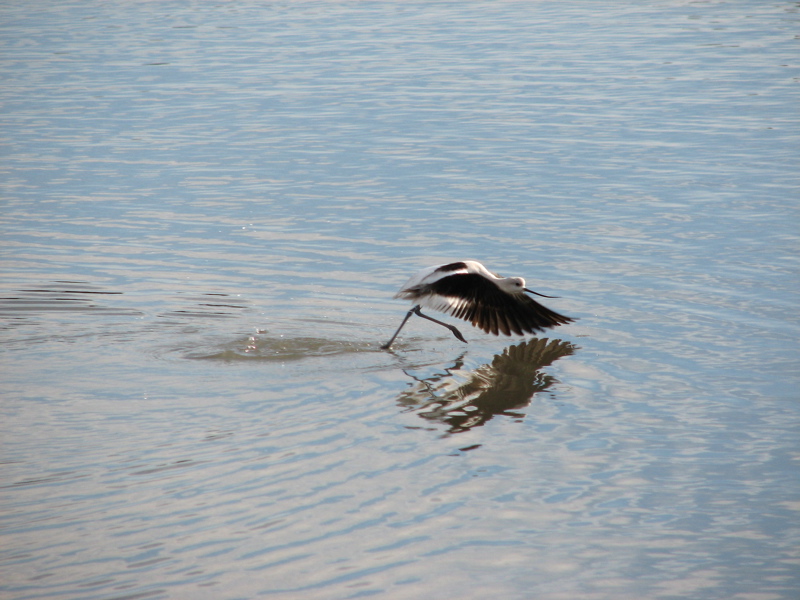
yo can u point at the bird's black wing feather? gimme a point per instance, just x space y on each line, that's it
486 306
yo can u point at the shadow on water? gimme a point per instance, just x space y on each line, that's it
85 297
466 399
59 296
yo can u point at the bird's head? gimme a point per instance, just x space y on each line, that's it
516 285
513 285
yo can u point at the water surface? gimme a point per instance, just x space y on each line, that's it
206 210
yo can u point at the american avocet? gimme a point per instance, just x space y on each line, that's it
468 290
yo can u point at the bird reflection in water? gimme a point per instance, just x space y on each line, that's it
466 399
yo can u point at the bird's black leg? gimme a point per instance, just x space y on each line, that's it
416 311
456 332
388 344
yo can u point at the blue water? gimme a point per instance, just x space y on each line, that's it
206 211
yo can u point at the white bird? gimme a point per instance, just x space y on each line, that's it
468 290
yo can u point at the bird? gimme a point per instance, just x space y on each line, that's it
467 290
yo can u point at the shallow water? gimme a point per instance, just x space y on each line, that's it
207 208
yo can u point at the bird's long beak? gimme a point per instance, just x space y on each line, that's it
538 294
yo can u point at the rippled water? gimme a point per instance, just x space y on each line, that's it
207 208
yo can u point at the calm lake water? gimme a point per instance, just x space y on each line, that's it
206 211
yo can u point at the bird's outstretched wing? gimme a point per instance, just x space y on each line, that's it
474 298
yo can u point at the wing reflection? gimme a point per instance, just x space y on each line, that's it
466 399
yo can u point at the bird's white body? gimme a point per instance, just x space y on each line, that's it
468 290
430 275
